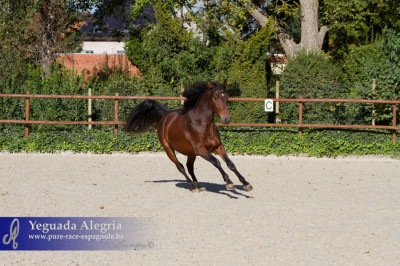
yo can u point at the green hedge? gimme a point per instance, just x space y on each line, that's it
262 141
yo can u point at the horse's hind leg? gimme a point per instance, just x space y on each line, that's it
221 152
171 155
189 165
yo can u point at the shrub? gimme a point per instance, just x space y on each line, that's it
248 74
61 81
380 61
261 141
311 75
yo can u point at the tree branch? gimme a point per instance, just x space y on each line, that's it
311 38
256 13
287 42
322 32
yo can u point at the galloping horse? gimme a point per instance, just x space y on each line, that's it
190 131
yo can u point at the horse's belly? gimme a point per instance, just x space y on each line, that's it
181 145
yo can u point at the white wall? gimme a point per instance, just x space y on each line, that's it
103 47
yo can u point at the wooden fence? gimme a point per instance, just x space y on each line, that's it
115 123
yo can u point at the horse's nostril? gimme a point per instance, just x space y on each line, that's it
226 120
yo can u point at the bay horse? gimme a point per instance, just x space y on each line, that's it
190 131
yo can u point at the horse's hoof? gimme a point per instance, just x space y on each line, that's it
230 186
194 189
202 189
247 187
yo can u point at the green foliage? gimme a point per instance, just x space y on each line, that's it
390 46
249 73
124 85
355 23
165 52
239 140
356 67
84 141
134 48
310 69
25 40
319 143
15 37
380 61
60 82
312 76
11 108
170 57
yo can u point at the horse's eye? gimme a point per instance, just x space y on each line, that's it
215 98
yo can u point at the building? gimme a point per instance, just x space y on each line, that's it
93 64
103 44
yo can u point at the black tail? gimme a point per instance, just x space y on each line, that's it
145 115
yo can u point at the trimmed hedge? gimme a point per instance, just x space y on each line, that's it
261 141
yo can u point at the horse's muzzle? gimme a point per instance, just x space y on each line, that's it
226 120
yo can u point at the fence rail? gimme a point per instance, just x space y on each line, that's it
117 98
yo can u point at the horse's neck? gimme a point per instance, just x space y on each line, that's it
202 111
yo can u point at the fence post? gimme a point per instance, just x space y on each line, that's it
277 120
27 114
90 108
373 97
300 116
394 122
116 114
181 90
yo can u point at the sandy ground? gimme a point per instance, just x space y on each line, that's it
302 211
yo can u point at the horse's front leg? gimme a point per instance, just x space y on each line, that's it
201 151
221 152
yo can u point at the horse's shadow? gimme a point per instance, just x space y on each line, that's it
211 187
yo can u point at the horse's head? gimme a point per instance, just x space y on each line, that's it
219 101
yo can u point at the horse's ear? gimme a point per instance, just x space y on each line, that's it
224 83
210 85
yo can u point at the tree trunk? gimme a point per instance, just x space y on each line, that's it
49 15
311 37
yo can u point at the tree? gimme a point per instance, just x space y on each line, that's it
15 36
234 14
34 31
58 19
50 13
354 23
115 10
312 36
165 52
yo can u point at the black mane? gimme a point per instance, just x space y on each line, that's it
195 91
